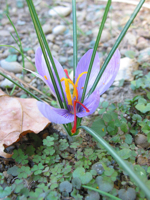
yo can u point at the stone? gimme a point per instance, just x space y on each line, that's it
142 43
60 10
47 28
63 59
4 33
5 54
144 56
81 15
126 69
5 21
70 51
105 35
11 66
141 140
56 47
6 83
59 29
26 79
50 37
21 23
69 42
131 39
1 78
30 52
93 16
29 66
104 96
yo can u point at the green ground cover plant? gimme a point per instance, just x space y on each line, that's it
89 167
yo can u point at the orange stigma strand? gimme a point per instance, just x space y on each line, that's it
45 77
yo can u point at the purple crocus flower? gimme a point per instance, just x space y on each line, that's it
74 106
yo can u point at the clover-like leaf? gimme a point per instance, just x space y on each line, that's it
63 144
37 169
48 141
74 145
65 186
140 172
53 195
124 127
76 195
143 106
85 177
6 192
76 182
104 183
124 153
24 171
128 194
99 126
30 150
13 171
128 139
92 195
20 157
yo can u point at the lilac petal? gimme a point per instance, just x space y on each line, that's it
83 66
91 103
55 115
43 71
109 73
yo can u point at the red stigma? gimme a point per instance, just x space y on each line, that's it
66 72
75 118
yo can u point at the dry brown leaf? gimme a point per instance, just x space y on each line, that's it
18 117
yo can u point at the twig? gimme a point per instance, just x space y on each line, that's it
21 81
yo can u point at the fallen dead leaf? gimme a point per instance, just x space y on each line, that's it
17 118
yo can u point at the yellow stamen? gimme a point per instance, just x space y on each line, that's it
82 87
103 129
45 77
76 84
67 90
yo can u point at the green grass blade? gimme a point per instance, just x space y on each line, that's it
119 160
119 39
19 44
13 89
101 192
95 48
40 35
47 62
14 39
74 38
30 93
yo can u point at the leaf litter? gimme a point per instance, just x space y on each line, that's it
17 118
